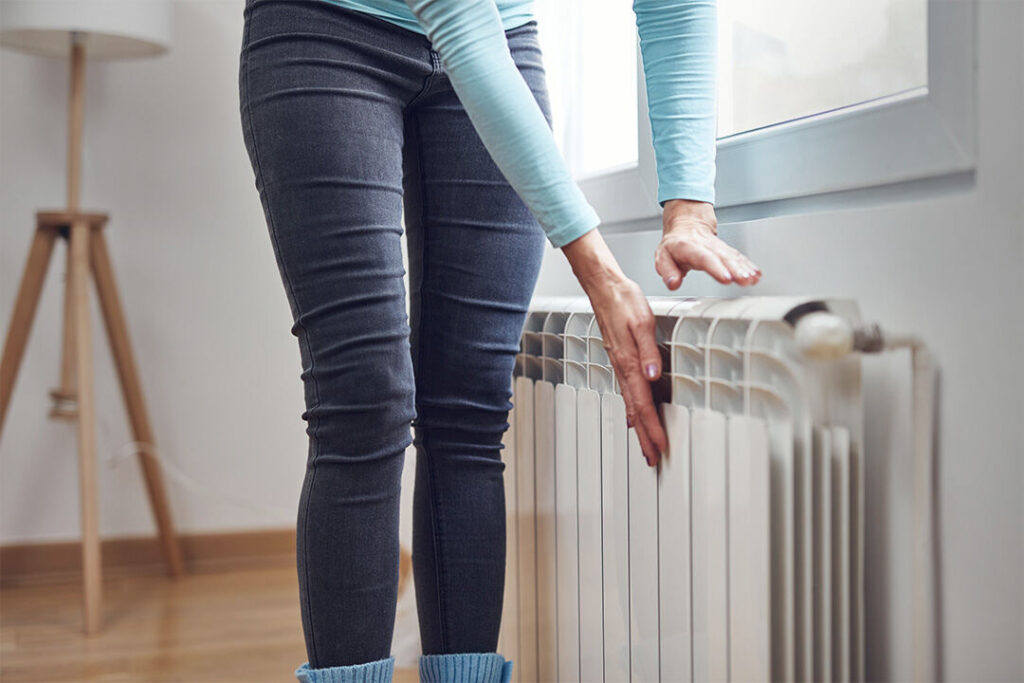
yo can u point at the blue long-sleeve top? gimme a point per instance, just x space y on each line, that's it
677 44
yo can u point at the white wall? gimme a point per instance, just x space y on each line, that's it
205 306
209 320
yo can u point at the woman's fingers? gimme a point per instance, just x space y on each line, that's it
635 418
646 445
650 432
644 333
671 273
699 256
640 410
742 267
745 261
743 270
641 414
741 273
653 439
713 265
707 253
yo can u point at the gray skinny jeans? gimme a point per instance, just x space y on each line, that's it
348 119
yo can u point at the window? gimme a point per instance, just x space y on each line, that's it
590 60
788 59
814 99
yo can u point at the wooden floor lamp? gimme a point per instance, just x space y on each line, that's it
74 29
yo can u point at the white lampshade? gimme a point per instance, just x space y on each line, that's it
109 29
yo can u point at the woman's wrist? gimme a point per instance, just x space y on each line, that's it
592 261
678 212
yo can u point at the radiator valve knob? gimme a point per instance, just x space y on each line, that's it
823 336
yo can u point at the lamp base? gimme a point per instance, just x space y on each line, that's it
87 255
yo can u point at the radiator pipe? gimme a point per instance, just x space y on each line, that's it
823 335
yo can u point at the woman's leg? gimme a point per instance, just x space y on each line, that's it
475 253
322 97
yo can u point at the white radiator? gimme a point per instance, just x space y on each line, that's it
740 558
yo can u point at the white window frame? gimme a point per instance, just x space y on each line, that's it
927 132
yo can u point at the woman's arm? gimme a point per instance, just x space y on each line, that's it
678 44
468 36
470 39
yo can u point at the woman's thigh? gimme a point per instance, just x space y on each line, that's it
322 94
475 254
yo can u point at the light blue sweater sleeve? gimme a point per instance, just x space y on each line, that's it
678 44
677 47
469 37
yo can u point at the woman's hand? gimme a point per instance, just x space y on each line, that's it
628 335
690 242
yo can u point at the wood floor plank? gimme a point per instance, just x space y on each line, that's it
239 625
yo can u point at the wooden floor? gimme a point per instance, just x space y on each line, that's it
212 627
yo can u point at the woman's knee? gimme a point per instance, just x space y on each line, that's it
457 415
360 395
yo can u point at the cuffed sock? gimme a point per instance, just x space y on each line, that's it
465 667
380 671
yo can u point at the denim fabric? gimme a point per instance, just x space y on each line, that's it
348 119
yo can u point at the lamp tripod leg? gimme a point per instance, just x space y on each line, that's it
92 578
24 313
131 388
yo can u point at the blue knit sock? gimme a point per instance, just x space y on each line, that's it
379 671
465 667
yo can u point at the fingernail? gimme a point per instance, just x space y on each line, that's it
652 370
629 423
671 280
